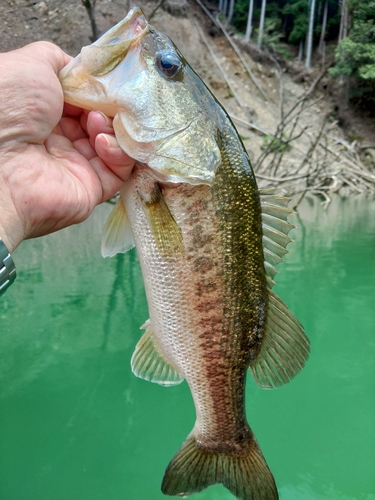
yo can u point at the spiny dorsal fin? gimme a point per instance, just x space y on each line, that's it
149 362
285 347
117 235
275 230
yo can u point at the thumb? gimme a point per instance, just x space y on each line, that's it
46 52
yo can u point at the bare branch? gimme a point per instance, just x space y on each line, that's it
281 179
156 9
90 7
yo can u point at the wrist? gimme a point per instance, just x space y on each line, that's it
7 268
8 241
11 227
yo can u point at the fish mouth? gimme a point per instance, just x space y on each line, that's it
132 27
79 78
137 20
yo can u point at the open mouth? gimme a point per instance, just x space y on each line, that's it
139 23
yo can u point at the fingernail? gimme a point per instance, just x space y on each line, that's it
111 141
107 120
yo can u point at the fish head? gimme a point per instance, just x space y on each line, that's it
86 79
164 116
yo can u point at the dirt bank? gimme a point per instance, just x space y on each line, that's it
321 146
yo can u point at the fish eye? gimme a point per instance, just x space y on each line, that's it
168 64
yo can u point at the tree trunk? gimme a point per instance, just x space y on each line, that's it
344 21
249 25
300 51
231 7
310 36
324 27
221 5
341 20
343 33
261 24
225 7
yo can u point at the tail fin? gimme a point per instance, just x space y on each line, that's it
193 468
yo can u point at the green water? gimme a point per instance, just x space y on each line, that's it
75 424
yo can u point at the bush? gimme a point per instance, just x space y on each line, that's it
355 55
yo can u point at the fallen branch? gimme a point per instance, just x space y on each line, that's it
220 67
235 48
249 124
244 63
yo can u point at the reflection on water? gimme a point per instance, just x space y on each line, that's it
75 424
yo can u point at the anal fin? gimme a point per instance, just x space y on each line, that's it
149 362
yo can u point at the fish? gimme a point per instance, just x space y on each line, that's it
208 242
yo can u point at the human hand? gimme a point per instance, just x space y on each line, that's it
56 162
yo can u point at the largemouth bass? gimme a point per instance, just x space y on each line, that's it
208 243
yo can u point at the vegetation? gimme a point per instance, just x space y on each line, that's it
355 54
275 144
348 26
290 18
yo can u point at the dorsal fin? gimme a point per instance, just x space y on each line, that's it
276 227
285 347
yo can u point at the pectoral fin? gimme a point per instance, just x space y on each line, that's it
118 235
149 362
164 228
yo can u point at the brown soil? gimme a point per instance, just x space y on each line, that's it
66 24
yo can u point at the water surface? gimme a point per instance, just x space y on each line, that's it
75 424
